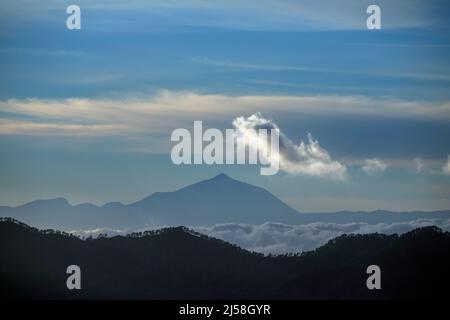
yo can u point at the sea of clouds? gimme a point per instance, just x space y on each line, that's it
278 238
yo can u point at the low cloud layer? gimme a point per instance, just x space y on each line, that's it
277 238
282 238
305 159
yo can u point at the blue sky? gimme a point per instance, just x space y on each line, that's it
87 114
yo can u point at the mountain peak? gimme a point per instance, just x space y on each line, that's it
221 176
219 199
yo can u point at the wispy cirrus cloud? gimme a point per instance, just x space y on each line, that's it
248 15
44 52
19 127
432 76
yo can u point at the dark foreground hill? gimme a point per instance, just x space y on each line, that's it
176 263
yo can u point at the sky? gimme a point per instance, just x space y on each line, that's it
87 114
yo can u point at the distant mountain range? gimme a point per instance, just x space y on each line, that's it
177 263
217 200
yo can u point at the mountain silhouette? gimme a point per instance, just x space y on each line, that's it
213 201
177 263
220 199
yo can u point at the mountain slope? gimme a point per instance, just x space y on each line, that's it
176 263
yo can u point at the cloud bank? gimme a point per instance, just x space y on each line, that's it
172 109
278 238
305 159
281 238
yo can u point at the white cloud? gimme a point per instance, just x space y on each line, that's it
279 238
446 167
418 163
305 159
374 166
